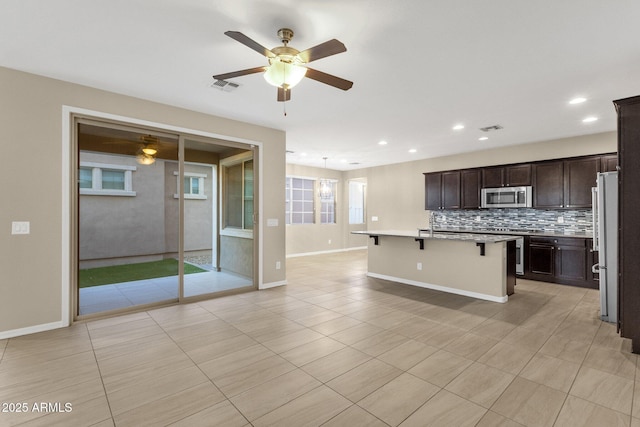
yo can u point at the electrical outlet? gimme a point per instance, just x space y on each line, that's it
374 218
329 241
20 227
419 266
277 265
560 220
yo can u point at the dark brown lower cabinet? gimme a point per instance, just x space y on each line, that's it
571 263
542 259
563 260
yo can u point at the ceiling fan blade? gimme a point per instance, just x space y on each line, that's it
250 43
239 73
322 50
284 94
328 79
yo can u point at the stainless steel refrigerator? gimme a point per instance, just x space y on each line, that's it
605 241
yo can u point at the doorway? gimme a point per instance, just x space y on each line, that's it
148 221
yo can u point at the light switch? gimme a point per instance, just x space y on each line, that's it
20 227
272 222
374 218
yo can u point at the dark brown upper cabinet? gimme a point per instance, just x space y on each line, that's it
518 175
451 190
548 184
506 176
442 190
470 183
433 191
609 163
492 177
565 184
579 177
561 183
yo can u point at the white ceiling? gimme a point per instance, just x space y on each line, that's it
418 66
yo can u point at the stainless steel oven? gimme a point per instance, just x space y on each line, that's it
506 197
520 256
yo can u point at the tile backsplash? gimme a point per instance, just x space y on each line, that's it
525 219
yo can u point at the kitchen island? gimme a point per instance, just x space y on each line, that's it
476 265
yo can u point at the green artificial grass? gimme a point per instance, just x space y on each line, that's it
130 272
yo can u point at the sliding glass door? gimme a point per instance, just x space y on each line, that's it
128 226
149 218
214 262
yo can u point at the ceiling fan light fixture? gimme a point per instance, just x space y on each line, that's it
283 74
145 159
150 150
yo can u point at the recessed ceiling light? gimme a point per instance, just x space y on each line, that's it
589 119
303 154
483 138
578 100
413 150
382 143
458 127
343 160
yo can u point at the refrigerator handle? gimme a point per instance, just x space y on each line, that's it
595 213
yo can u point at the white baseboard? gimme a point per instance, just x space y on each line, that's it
333 251
272 285
31 330
441 288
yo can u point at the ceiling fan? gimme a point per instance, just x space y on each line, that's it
287 65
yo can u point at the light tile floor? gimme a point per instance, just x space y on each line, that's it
121 295
332 348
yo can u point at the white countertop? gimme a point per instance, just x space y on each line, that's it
439 235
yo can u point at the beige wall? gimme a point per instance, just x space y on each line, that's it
31 110
395 193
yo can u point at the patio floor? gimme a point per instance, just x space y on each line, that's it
121 295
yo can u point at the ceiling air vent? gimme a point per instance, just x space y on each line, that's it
225 86
490 128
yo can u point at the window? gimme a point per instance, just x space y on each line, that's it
112 180
248 194
85 178
193 185
237 203
327 202
356 202
100 179
299 201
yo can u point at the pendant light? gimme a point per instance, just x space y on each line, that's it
326 186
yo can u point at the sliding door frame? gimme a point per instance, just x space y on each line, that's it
71 117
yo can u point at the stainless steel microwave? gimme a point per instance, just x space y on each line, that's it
506 197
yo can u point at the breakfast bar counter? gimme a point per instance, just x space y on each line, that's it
475 265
